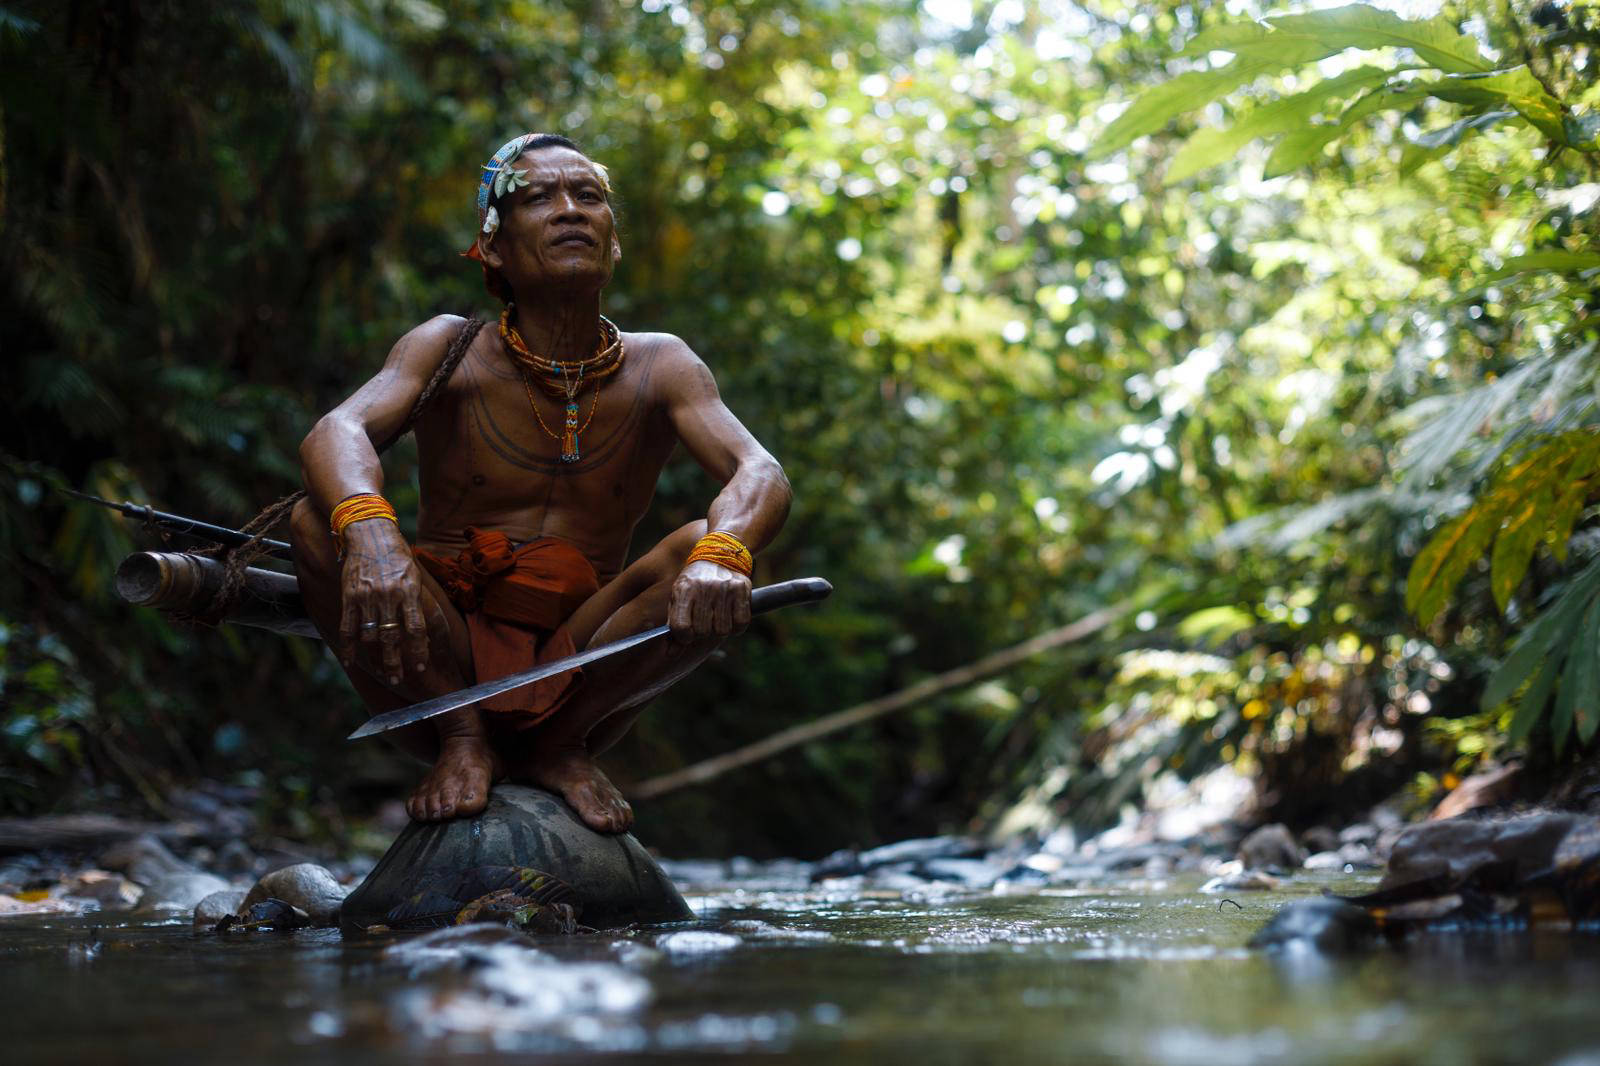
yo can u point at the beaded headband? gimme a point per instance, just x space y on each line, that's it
498 179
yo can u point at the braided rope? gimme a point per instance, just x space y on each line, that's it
236 560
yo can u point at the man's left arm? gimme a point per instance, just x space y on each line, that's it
709 599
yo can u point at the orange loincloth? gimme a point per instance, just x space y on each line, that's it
514 600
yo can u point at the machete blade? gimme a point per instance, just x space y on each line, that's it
768 598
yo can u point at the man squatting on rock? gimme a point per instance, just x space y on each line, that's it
538 456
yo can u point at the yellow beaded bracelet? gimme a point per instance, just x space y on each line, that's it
724 549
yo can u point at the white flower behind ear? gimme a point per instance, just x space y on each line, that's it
491 223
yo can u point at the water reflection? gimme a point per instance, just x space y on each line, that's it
1125 971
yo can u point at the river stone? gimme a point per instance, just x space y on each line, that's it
305 885
1272 847
179 892
616 881
217 906
1486 854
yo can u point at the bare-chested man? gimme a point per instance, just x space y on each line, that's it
532 483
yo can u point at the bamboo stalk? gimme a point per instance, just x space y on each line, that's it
714 767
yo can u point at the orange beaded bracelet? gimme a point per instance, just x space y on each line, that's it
358 508
724 549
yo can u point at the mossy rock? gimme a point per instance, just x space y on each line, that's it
615 881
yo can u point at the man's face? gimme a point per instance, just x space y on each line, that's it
558 230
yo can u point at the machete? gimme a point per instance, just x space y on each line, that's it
767 598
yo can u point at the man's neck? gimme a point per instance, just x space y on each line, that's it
560 325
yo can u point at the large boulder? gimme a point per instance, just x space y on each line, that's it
613 878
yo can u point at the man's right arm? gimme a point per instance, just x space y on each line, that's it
380 584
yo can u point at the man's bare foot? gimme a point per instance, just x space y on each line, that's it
458 784
571 772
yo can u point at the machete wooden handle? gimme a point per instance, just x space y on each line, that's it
789 593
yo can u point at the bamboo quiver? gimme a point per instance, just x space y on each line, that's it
185 584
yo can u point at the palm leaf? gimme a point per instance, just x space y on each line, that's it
1550 634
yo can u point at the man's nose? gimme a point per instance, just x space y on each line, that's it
567 206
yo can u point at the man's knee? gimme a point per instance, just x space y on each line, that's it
681 541
308 535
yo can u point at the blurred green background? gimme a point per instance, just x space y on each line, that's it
1021 357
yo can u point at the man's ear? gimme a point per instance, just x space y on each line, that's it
486 250
616 249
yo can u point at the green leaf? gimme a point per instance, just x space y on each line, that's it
1516 87
1449 136
1583 667
1428 146
1565 512
1287 114
1215 624
1440 565
1161 103
1557 260
1303 146
1583 131
1227 37
1541 637
1566 700
1531 705
1435 41
1514 546
1429 449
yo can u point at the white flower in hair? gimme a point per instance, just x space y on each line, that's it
491 222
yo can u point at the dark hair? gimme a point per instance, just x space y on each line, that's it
493 280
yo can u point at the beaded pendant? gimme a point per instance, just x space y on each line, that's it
569 439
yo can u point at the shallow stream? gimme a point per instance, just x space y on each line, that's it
1128 971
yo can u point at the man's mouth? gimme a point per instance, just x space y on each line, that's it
574 238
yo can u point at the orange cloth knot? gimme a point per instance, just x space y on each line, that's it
514 599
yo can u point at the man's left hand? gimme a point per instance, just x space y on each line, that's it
708 601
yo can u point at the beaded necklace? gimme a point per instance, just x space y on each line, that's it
564 379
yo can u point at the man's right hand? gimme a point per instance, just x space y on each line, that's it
382 599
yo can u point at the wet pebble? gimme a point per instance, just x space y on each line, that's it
179 892
145 859
974 872
110 891
217 906
1326 924
904 853
1239 880
266 916
1272 847
304 885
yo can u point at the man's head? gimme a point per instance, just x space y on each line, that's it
545 218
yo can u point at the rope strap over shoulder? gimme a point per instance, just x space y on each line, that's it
236 560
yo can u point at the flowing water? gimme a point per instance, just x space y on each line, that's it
1133 971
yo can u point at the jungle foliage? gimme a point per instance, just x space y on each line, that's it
1278 326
